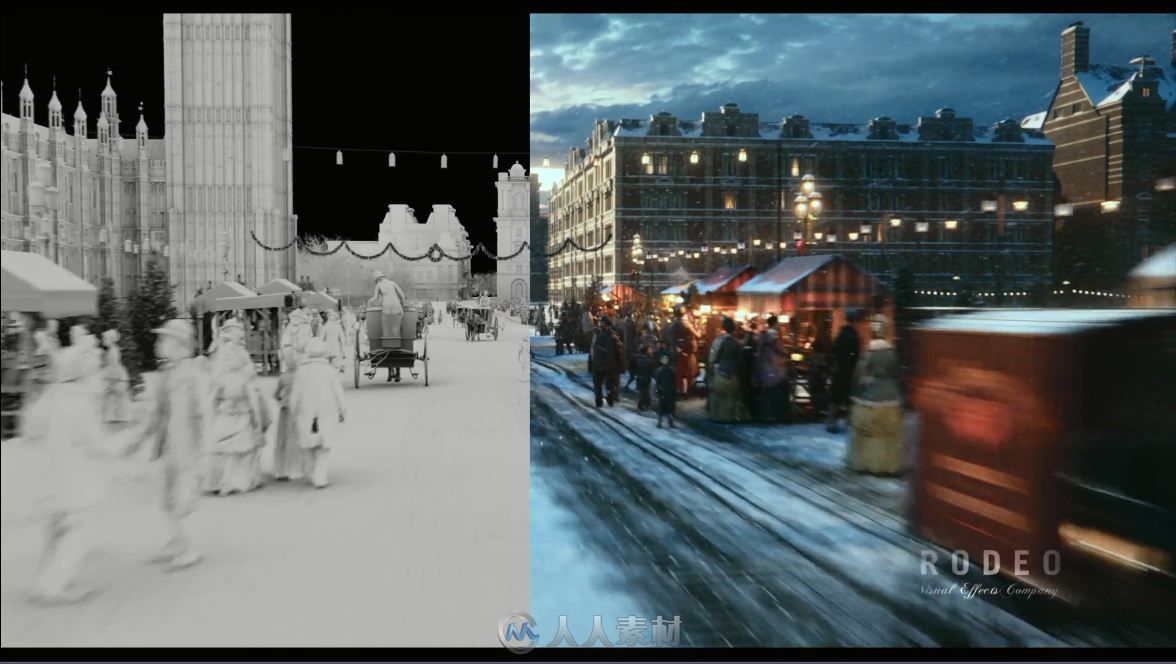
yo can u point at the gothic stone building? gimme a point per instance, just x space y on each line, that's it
103 206
943 197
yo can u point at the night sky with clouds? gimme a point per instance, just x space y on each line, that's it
828 67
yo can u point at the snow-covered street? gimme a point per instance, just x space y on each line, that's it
421 539
755 535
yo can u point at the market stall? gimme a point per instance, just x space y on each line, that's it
718 297
207 305
1153 282
279 287
32 284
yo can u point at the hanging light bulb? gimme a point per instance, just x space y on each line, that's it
444 161
339 158
391 160
495 164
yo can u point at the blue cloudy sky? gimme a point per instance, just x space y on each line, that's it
829 67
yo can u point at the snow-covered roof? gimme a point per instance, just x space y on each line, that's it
1040 321
1161 265
32 282
1106 84
1035 121
677 290
821 131
786 274
278 286
721 277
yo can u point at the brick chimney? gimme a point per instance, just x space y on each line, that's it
1075 49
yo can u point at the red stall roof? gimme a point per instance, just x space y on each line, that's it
726 278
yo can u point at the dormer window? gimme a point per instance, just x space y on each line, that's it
1147 92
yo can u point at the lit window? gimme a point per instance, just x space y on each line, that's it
729 200
663 164
1147 92
795 168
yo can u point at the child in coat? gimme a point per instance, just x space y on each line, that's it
667 390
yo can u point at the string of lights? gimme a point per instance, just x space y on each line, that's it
435 253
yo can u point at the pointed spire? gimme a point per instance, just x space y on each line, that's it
109 91
26 93
54 102
103 123
80 114
142 126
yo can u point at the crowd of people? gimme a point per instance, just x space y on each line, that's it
205 419
750 373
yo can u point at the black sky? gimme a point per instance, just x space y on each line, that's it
374 80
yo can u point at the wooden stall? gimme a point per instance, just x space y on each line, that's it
32 284
1048 432
1153 282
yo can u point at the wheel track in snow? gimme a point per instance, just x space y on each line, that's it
1062 621
927 627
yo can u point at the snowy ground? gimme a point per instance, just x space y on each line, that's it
421 539
754 535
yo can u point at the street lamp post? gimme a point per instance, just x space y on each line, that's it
808 209
638 256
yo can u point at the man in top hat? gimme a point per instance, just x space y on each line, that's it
390 299
178 428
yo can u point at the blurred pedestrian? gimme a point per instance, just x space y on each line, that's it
772 374
116 394
72 478
240 421
847 349
607 360
333 337
725 403
287 450
179 428
643 369
316 401
684 343
877 443
667 389
630 338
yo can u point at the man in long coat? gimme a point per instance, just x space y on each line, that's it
178 429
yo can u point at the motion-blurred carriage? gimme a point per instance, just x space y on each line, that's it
396 353
478 320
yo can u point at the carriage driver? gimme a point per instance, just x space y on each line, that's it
390 299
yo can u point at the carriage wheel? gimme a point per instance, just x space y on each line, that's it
425 361
357 360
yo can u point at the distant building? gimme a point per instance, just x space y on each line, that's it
1115 131
942 197
538 241
440 281
513 225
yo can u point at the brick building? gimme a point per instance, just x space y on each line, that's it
943 197
538 244
1114 128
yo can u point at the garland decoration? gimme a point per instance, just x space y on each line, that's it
435 253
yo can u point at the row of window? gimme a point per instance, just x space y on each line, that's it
871 201
735 165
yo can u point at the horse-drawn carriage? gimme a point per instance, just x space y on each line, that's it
395 353
478 319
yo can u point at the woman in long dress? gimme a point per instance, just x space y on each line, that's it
726 397
240 419
116 395
317 406
876 444
63 424
287 451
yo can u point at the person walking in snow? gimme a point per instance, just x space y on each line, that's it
316 402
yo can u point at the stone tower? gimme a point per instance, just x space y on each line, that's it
228 133
513 224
